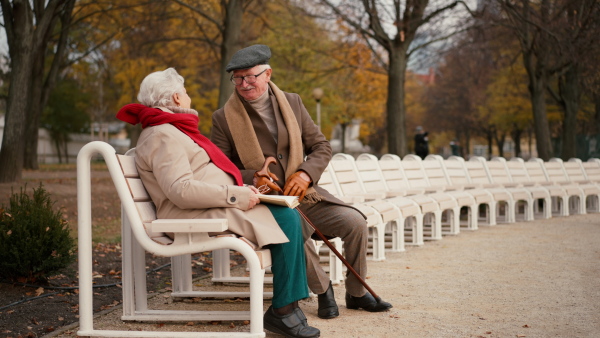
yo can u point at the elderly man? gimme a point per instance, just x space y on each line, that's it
259 121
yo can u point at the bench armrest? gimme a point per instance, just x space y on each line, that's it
189 225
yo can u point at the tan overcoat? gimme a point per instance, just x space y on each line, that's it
184 183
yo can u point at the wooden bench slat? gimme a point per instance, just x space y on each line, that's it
138 191
128 166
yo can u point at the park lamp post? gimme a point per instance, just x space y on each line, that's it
318 95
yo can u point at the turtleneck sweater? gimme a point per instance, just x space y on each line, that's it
264 108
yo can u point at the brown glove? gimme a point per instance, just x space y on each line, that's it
265 183
297 184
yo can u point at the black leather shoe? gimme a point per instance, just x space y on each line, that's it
290 325
366 302
327 306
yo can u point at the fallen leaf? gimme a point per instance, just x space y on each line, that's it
39 291
190 324
526 326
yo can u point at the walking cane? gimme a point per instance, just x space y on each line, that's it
265 173
339 255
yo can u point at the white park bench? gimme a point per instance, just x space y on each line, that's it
141 233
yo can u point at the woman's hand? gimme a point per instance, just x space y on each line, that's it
253 197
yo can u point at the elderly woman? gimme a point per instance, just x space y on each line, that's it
187 176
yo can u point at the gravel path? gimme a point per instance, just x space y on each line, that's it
534 279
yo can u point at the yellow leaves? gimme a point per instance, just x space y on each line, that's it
508 103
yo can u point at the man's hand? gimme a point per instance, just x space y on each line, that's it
297 184
265 184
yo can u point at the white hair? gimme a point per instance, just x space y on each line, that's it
157 88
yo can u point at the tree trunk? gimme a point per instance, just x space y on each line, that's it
58 151
396 115
466 150
134 134
231 34
34 111
13 144
516 136
537 87
597 115
500 140
568 86
490 142
344 126
529 142
42 84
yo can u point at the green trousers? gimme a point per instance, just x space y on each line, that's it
288 261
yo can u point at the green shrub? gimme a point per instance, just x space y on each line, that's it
35 240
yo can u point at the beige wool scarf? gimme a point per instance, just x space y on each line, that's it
246 142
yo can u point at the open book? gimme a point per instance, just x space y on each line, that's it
286 201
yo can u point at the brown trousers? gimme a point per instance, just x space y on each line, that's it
335 220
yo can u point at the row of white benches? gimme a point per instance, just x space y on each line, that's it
416 200
410 199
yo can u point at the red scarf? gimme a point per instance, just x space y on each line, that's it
135 113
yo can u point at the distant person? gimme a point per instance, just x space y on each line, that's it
421 143
455 147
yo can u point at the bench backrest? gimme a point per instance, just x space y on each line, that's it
555 172
145 207
414 172
517 171
536 172
498 171
592 171
345 175
574 171
434 169
327 181
457 173
370 173
391 170
477 172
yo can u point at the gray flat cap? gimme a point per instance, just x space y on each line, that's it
249 57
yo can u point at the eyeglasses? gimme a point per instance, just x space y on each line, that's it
250 79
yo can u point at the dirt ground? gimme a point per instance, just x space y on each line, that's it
527 279
534 279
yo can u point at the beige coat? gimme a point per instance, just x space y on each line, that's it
184 183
